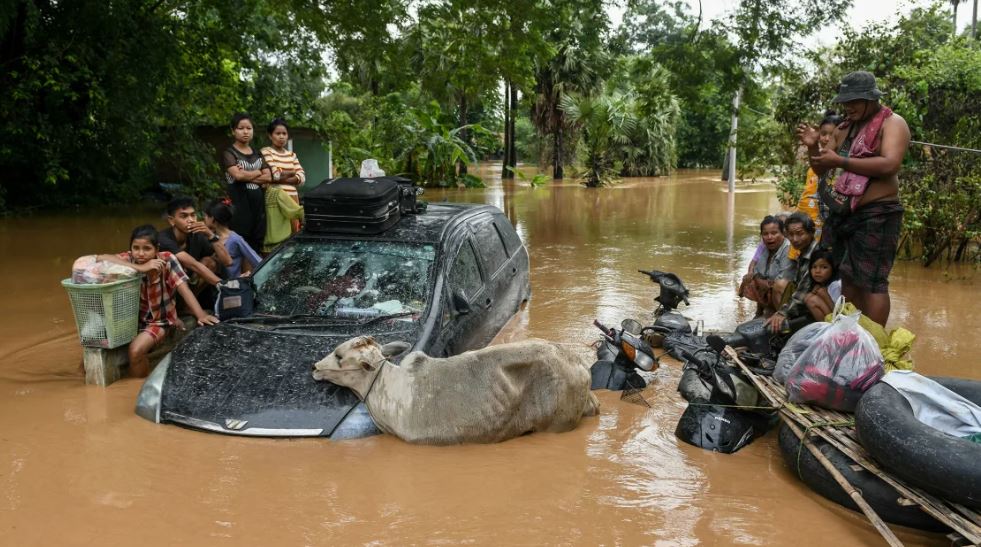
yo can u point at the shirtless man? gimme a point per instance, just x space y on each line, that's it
864 221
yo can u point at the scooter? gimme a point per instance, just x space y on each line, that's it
620 356
666 319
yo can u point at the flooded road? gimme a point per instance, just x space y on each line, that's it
78 467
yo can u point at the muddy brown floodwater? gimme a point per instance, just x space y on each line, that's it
78 467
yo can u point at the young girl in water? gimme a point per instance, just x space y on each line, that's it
163 279
822 274
217 216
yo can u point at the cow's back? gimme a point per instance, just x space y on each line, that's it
494 394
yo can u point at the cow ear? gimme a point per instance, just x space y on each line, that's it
392 349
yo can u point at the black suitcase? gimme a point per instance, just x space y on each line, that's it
352 206
408 196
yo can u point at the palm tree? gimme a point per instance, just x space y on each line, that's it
572 70
604 124
954 3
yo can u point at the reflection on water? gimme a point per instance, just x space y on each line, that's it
76 465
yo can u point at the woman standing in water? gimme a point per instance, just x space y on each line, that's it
287 173
246 172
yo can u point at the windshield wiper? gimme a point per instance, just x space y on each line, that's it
271 317
362 323
370 320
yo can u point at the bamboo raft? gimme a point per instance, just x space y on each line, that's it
837 428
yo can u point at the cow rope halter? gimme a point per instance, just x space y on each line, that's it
379 366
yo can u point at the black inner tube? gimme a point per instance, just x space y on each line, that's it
946 466
882 497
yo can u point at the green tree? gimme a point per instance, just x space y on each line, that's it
580 65
605 124
651 149
454 59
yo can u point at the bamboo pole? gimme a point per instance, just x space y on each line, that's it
856 496
848 444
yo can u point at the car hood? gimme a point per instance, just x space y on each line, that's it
240 379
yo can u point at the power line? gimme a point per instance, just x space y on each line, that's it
958 148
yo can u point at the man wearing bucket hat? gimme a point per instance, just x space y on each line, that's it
859 189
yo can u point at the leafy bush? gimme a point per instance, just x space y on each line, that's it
790 182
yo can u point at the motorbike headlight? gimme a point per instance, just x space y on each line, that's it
148 400
629 351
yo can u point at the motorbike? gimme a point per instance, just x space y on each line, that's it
666 317
721 398
672 331
620 357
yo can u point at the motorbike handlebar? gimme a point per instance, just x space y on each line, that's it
653 274
602 327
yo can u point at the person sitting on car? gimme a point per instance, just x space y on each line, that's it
198 249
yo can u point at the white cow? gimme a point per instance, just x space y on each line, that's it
481 396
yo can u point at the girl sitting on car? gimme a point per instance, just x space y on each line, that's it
163 279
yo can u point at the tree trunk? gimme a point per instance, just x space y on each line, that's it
505 174
974 20
557 154
464 135
955 2
512 145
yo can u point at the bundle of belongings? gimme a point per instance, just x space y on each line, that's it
88 271
937 406
832 363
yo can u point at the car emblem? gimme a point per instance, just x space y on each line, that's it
235 424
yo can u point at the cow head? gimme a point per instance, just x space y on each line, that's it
355 363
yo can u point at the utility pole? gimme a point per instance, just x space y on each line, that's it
731 176
974 21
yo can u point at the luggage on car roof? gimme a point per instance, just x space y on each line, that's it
353 205
408 196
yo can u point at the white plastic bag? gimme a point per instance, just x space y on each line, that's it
370 169
840 364
87 270
798 343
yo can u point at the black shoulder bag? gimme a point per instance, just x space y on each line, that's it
236 298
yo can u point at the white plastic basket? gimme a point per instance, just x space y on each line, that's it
107 314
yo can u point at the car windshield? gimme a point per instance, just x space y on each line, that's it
346 279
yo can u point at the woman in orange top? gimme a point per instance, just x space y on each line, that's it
287 173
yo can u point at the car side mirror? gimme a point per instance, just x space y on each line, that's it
460 304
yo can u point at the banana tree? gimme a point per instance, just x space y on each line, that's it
437 149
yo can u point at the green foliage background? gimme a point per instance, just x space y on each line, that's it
933 79
100 98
